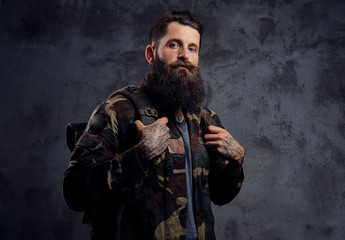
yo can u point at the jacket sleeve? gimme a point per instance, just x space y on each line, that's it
101 166
225 177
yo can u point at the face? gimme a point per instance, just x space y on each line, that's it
180 43
174 80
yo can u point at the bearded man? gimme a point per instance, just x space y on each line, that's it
156 181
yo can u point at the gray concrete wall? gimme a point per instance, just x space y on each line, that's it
275 71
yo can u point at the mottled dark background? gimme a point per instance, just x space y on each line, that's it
275 71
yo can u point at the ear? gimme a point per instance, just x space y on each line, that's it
150 53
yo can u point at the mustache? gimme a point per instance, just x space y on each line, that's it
186 64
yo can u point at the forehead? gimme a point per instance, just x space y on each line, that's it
186 34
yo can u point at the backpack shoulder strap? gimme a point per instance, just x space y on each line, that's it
145 109
73 133
206 118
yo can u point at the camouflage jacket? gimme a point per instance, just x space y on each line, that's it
126 197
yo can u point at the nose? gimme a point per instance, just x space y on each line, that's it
183 54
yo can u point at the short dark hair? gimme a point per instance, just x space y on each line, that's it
181 17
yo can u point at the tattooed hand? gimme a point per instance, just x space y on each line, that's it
221 140
154 138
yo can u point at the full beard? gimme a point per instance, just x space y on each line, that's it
171 87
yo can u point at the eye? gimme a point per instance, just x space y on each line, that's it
192 49
174 45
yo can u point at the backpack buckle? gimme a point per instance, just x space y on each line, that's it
151 112
133 89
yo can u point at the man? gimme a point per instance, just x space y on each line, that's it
156 181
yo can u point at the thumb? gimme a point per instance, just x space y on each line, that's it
139 125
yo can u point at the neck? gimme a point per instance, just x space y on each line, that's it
179 117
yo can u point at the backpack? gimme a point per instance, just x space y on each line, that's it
144 109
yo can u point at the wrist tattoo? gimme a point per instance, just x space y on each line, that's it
232 149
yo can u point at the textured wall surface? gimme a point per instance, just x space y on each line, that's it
275 71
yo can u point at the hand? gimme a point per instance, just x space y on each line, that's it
154 138
221 140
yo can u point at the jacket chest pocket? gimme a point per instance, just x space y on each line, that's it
170 167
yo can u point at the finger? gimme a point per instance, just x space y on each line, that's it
139 125
166 138
210 137
215 129
162 120
162 149
213 143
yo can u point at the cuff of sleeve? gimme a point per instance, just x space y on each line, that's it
133 167
235 171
